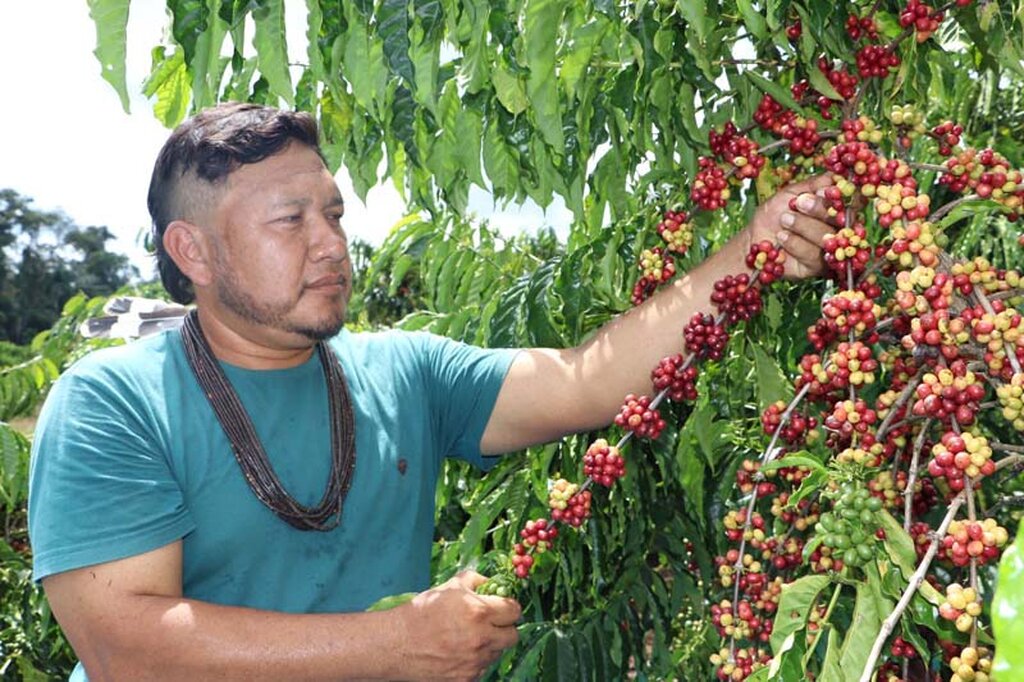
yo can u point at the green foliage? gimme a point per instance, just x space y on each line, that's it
549 100
1006 612
111 18
32 646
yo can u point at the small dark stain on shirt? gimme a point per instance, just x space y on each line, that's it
402 466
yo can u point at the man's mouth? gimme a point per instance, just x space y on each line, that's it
328 282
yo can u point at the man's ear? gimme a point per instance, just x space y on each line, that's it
188 247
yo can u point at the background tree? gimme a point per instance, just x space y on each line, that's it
44 260
607 106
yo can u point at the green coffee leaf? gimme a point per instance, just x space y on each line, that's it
111 19
540 34
772 384
393 27
795 603
272 48
1008 612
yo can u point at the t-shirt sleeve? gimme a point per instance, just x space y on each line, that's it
463 383
100 487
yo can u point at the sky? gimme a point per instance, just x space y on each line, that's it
69 145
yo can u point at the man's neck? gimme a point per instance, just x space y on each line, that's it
253 349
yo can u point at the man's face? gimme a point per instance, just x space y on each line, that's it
280 258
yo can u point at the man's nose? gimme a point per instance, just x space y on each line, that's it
330 242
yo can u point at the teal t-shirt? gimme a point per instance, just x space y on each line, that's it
128 456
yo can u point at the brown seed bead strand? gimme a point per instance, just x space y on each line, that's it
248 450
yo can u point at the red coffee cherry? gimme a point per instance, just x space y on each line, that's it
680 380
637 416
603 463
704 338
736 298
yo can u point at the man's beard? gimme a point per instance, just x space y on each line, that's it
239 301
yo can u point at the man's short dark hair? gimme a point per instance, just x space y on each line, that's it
206 149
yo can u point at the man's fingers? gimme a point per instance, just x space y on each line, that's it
504 612
470 579
811 228
810 185
503 638
812 206
801 250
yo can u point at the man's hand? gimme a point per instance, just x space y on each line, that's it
800 232
454 633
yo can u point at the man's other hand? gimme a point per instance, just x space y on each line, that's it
454 633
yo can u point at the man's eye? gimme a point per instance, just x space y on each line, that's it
291 218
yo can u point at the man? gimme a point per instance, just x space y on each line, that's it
178 509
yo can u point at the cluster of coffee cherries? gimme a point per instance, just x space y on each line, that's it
854 161
853 364
638 416
899 202
768 260
979 272
852 311
996 332
989 175
747 479
926 293
704 337
858 26
876 61
922 18
847 248
740 664
908 121
603 463
843 82
676 231
974 664
736 297
950 393
1011 398
656 268
915 242
961 606
677 376
796 429
978 541
851 526
737 150
802 134
959 456
740 622
850 419
710 188
947 134
568 503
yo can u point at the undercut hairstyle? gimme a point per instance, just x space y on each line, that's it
197 159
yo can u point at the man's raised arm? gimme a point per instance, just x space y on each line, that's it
549 393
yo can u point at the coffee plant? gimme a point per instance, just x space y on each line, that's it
732 523
32 646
